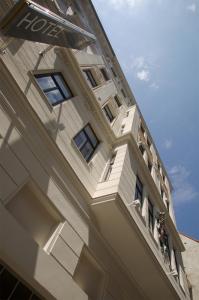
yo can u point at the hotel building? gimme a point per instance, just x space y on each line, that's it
85 201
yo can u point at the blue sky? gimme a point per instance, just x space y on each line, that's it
157 44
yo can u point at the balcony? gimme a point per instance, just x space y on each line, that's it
124 228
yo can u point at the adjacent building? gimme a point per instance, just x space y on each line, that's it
85 201
191 264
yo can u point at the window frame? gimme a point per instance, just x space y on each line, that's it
150 216
113 71
57 86
150 166
142 150
88 140
108 113
104 74
123 93
90 78
116 98
139 191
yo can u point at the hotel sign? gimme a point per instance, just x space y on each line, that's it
30 21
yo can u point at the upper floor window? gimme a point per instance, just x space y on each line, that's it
54 87
104 73
117 101
108 113
148 143
139 190
141 149
149 167
113 71
89 77
123 93
86 141
163 177
142 129
162 193
150 215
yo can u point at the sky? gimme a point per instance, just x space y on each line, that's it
157 45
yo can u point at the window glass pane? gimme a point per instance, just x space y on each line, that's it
91 135
7 284
87 150
89 77
63 86
45 82
54 96
80 139
21 292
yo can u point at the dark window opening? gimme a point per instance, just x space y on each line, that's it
123 93
113 71
90 78
54 87
141 149
108 113
142 129
104 73
148 143
117 101
149 167
151 215
139 190
86 141
12 289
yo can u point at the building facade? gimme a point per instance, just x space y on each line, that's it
85 201
191 264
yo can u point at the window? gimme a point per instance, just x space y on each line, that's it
142 129
104 73
168 205
108 113
139 190
86 141
113 71
11 288
150 215
149 167
148 143
123 93
54 87
166 243
89 77
162 193
117 101
141 149
163 177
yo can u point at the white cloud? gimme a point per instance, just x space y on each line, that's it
118 4
142 70
168 144
184 191
139 63
154 86
192 7
143 75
